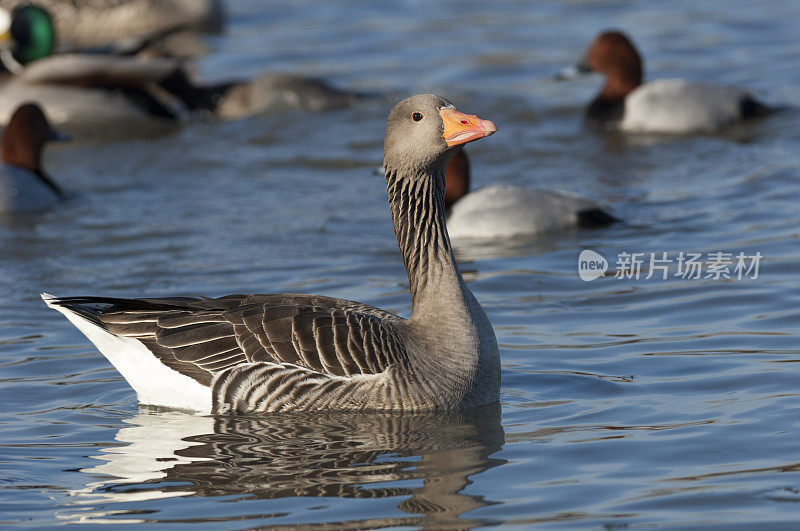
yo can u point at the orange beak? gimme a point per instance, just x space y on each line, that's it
460 128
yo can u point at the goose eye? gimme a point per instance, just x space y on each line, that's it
417 116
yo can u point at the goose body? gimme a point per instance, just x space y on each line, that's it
286 352
671 106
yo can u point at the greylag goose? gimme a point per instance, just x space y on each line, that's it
290 352
24 185
505 210
662 106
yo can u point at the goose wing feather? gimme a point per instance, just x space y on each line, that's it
202 337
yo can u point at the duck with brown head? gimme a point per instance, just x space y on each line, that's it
290 352
24 185
662 106
613 55
508 210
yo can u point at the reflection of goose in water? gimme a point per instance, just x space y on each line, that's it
291 455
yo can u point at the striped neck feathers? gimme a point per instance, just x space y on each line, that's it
416 202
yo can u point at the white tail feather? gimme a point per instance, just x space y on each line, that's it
154 382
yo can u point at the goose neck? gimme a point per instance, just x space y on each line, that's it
416 201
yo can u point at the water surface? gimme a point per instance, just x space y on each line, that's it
624 402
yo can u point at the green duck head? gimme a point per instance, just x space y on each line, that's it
29 33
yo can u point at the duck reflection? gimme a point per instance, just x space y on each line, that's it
311 455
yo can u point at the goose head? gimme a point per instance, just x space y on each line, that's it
424 131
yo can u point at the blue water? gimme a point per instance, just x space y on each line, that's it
625 402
